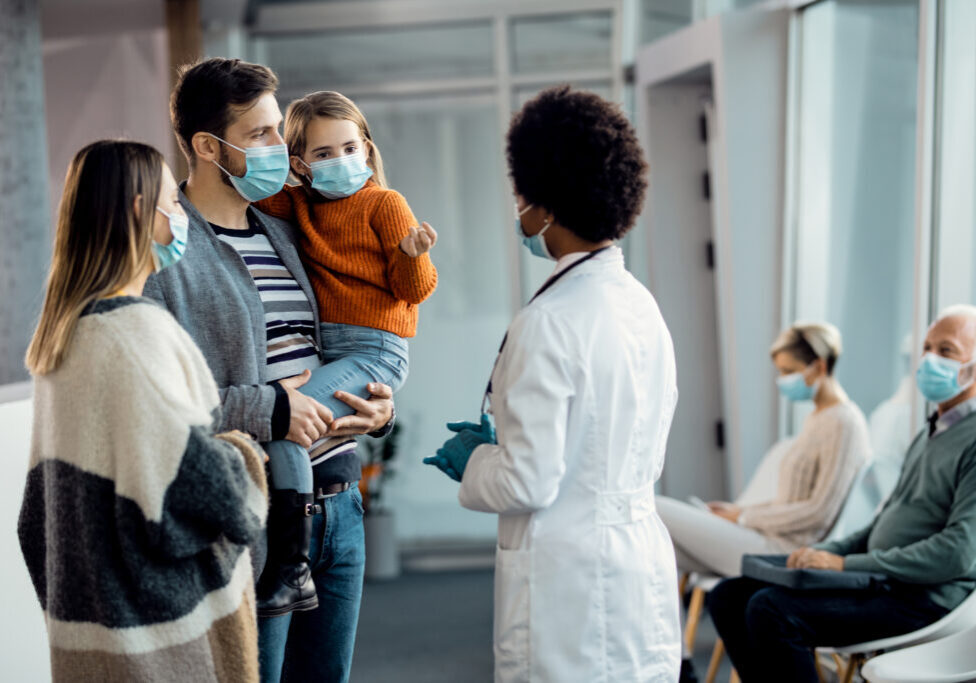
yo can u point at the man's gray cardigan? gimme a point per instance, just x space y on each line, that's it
212 295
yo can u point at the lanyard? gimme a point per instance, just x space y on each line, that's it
548 283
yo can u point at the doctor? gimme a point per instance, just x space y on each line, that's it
582 396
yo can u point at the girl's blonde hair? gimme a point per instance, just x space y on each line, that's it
809 341
331 105
100 243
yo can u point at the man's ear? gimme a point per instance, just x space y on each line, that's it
205 146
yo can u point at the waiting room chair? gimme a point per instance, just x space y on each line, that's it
962 619
947 660
854 515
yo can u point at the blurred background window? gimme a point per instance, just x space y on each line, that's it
855 188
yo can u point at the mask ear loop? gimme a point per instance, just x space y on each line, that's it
306 180
969 368
817 382
229 144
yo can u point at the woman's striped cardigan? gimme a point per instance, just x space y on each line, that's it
136 518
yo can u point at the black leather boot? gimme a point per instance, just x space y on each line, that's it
286 583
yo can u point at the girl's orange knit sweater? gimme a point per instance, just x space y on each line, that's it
351 250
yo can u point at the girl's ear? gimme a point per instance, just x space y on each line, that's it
137 206
297 166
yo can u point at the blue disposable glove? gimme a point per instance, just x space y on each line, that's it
484 429
452 457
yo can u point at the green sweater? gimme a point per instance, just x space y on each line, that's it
926 531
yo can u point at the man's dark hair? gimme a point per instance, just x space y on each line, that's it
576 155
209 96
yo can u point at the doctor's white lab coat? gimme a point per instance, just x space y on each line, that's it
583 396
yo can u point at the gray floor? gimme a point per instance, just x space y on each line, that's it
426 627
435 627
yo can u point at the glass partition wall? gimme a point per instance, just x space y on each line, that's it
854 206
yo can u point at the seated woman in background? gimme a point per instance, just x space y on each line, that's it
815 474
136 517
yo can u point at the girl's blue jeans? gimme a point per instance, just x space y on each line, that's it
354 356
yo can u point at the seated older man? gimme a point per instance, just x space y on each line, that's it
923 539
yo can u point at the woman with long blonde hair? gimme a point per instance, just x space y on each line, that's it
136 517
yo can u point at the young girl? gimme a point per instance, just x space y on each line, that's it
369 266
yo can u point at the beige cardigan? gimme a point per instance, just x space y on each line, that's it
815 477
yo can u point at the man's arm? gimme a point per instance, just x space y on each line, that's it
250 408
944 556
856 542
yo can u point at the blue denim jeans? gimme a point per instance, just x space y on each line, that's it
354 356
770 631
302 647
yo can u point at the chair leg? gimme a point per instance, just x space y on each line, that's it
694 616
683 585
816 665
734 677
717 653
853 665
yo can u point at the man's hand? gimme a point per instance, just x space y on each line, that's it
310 420
808 558
419 240
370 416
725 510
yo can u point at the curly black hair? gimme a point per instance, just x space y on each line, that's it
576 155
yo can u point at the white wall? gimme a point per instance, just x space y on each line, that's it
106 75
23 638
751 94
747 53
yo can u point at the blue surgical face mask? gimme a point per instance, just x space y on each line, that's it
535 243
165 255
938 378
794 387
267 170
341 176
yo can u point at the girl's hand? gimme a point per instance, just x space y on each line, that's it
419 240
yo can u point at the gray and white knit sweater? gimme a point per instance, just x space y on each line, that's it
136 518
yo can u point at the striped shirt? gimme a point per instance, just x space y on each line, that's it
287 311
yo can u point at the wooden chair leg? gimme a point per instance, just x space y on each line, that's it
816 665
683 585
717 653
852 666
694 616
734 677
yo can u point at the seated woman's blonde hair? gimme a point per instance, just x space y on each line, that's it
808 342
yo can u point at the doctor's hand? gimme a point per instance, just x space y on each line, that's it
452 458
419 240
808 558
371 415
